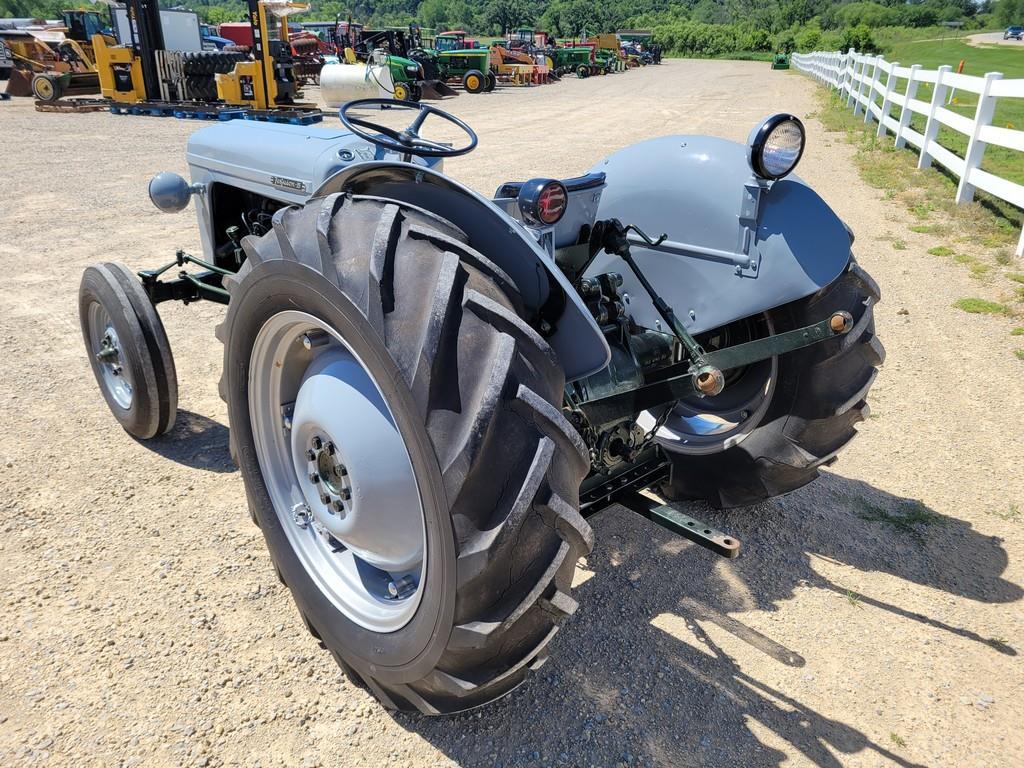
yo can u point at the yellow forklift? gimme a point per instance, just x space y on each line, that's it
142 73
269 79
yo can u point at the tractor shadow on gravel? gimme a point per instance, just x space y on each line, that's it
640 676
195 441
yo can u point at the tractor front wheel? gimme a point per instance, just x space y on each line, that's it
473 81
128 350
582 71
399 432
401 92
779 420
492 83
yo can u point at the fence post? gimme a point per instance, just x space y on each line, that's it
906 112
975 146
851 64
890 81
872 87
850 101
931 128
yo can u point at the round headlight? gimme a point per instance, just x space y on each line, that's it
775 146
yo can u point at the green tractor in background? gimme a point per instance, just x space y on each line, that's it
572 59
452 59
412 80
780 61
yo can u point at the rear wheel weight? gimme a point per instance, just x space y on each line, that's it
495 465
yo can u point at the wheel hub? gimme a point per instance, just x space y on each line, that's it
106 348
329 474
337 471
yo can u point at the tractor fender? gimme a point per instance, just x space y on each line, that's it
695 190
576 340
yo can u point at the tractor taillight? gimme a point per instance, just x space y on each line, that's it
543 201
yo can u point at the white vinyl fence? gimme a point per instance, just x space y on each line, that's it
869 84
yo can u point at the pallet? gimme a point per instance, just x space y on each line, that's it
290 116
216 111
220 112
149 108
73 105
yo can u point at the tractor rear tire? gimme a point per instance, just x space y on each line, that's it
137 378
818 396
474 81
492 83
475 394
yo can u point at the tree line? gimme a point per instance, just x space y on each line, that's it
689 28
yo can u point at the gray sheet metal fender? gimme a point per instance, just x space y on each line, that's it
691 188
577 340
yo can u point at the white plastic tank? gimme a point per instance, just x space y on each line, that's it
345 82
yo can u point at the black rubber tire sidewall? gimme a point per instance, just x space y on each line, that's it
408 653
142 418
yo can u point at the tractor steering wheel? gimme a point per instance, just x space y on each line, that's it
406 142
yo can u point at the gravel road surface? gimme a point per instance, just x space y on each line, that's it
141 622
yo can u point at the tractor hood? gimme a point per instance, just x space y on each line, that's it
282 162
693 189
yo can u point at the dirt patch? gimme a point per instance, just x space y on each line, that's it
873 619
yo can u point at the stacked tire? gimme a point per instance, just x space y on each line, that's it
201 67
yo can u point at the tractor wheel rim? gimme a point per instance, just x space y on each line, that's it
703 425
337 471
400 93
44 88
473 82
106 348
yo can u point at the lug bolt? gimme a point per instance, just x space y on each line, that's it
318 443
314 339
346 494
311 455
330 448
325 499
314 478
337 506
404 587
300 515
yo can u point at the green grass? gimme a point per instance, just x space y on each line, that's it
941 250
898 740
909 517
980 306
931 54
853 599
1017 332
1019 354
1010 513
1017 277
899 245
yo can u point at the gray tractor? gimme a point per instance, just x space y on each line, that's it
430 391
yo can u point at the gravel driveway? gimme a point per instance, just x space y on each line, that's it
141 623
